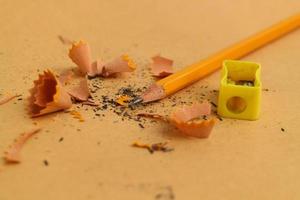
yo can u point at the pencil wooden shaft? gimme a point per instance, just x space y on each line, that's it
194 72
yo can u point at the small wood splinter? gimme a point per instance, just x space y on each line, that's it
7 98
12 155
161 146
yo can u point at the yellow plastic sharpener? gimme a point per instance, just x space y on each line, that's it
240 90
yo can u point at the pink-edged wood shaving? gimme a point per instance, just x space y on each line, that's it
118 65
13 154
191 120
47 95
80 54
80 92
65 77
187 113
161 67
7 98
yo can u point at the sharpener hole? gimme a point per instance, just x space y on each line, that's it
236 105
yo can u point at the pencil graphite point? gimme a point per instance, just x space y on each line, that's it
136 101
153 93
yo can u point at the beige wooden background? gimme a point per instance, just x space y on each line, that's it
241 159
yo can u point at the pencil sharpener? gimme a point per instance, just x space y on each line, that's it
240 90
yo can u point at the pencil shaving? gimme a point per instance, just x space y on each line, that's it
190 120
7 98
187 113
144 146
197 128
119 65
161 67
65 77
96 68
47 96
80 92
12 155
80 54
161 146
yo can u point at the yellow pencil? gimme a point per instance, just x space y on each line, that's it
195 72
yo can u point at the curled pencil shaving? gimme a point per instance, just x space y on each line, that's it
7 98
80 92
197 128
47 95
65 77
118 65
161 67
190 120
187 113
161 146
96 68
12 155
80 54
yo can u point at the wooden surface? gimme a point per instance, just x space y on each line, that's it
241 159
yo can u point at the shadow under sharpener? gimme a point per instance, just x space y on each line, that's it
240 90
